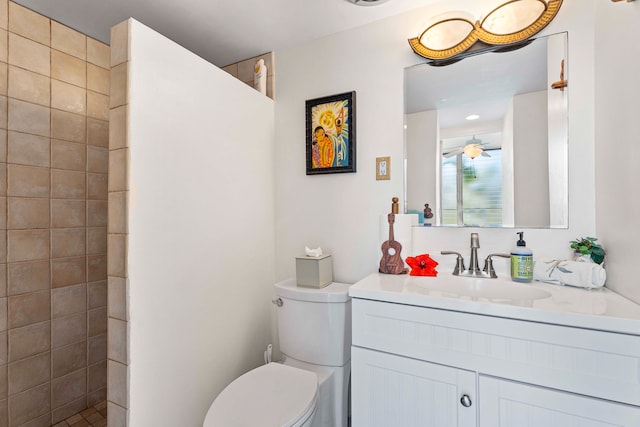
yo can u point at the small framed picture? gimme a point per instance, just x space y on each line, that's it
331 134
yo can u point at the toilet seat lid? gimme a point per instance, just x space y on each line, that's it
271 395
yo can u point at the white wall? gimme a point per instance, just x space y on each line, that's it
422 167
339 212
618 141
201 240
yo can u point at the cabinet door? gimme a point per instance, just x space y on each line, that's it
390 391
510 404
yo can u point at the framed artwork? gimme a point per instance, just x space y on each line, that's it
331 134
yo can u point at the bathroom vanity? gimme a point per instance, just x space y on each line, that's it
454 351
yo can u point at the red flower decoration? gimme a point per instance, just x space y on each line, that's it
422 265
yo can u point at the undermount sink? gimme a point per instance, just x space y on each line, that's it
477 289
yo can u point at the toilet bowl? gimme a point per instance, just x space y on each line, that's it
271 395
310 388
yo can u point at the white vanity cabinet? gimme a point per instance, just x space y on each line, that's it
415 365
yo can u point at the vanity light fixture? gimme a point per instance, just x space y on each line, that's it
367 2
616 1
508 25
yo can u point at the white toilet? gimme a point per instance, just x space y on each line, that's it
311 387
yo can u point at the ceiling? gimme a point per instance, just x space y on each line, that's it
223 31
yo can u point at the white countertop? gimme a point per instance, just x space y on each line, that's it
599 309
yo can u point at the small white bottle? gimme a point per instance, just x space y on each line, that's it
260 77
521 261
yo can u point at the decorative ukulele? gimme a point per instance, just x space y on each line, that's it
391 262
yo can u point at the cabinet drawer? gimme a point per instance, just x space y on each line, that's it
596 363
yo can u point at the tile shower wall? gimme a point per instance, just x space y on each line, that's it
244 71
54 113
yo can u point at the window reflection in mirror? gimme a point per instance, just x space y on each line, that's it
522 119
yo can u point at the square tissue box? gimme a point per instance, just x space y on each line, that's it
314 272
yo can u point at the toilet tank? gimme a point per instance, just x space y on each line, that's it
314 325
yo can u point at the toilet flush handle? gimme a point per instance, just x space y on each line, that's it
277 302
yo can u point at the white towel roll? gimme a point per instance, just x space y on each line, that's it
574 273
402 229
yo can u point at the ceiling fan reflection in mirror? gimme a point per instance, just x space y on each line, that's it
472 149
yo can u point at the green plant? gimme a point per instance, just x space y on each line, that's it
588 246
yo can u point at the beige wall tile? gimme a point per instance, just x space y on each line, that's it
29 24
27 213
3 179
118 170
4 112
97 132
68 388
97 186
97 267
68 213
231 69
118 212
67 97
97 376
3 144
4 78
27 245
97 213
97 321
68 155
29 372
97 159
3 246
29 86
65 360
117 383
68 126
97 241
97 294
68 40
4 14
118 128
4 314
3 218
4 347
68 271
27 181
246 70
68 330
29 340
25 277
28 309
119 43
117 296
68 242
118 341
4 391
3 281
28 54
29 404
117 416
117 249
27 149
68 300
68 68
119 85
97 105
28 118
97 349
67 184
4 43
98 79
98 53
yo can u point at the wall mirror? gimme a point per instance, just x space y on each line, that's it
486 141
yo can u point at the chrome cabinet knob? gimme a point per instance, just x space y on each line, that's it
277 302
465 400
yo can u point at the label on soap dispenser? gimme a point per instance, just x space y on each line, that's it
522 267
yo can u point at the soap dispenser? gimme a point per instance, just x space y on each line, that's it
521 261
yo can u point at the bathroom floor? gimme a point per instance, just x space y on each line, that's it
90 417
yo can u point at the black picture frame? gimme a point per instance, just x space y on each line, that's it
331 134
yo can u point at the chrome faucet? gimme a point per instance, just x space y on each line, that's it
474 270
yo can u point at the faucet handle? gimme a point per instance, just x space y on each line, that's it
459 262
488 265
